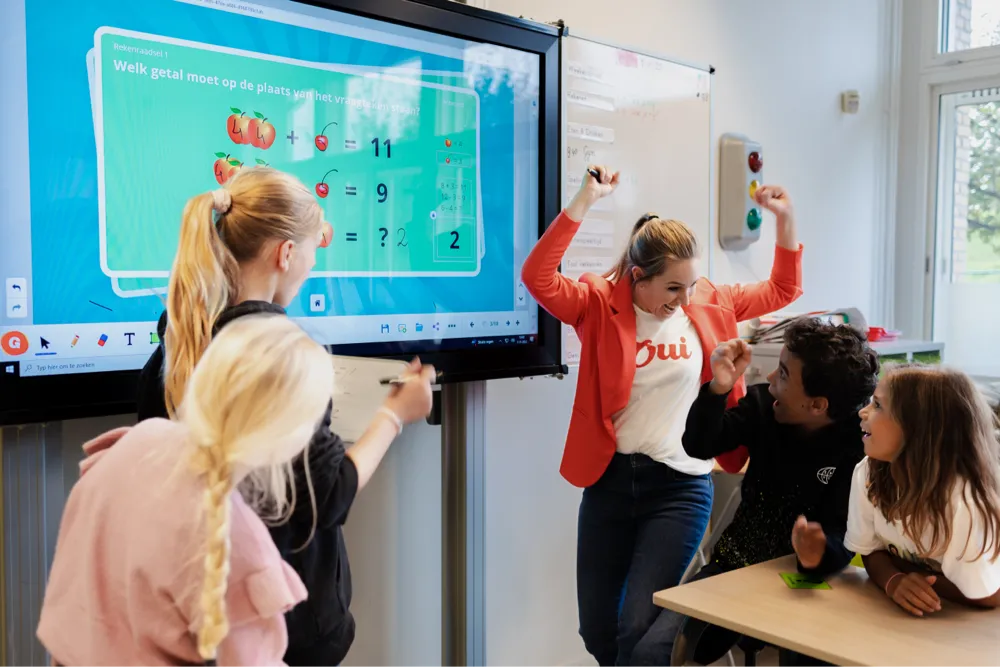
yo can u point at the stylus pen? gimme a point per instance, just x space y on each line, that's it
403 379
596 174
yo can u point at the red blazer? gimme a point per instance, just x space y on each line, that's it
604 319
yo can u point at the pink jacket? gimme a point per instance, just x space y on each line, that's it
125 582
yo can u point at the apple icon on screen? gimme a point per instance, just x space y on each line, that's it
322 142
225 167
322 189
261 132
238 127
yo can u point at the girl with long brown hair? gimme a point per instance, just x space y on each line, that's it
925 504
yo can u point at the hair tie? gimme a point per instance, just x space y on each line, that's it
222 201
642 222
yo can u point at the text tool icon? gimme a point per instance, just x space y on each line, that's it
129 336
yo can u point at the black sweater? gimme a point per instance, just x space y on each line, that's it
321 629
792 472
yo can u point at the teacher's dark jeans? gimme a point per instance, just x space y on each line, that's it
639 527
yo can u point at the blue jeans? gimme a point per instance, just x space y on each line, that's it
639 527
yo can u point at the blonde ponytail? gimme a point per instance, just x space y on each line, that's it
652 243
202 279
250 407
220 231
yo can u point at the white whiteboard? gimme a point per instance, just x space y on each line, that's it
649 117
357 393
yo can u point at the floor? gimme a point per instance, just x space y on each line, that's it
766 658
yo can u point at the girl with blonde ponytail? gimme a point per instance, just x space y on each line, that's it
245 249
161 557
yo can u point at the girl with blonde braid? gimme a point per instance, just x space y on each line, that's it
163 557
245 249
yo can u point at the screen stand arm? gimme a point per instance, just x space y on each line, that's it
463 412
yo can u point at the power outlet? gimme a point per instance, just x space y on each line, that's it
741 172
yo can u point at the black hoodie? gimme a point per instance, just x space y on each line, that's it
321 629
791 473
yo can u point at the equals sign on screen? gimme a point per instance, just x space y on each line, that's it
350 191
350 144
352 236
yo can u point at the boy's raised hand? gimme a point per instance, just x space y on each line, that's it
809 542
729 361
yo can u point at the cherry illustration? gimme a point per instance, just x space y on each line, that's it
322 189
321 140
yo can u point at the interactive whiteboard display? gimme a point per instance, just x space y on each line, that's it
422 149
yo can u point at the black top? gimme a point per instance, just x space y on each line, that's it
321 629
792 472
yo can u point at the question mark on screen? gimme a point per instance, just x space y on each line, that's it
385 233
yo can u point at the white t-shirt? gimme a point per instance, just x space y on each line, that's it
667 379
868 531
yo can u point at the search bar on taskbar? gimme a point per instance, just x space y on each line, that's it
57 366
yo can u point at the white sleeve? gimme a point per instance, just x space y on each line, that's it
861 537
975 576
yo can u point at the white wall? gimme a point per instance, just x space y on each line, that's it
781 65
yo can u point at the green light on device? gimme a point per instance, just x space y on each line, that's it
753 219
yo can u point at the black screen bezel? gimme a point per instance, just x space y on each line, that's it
38 399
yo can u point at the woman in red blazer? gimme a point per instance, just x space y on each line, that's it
647 328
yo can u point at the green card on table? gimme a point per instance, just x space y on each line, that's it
799 580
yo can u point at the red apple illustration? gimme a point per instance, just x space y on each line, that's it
321 141
322 189
447 143
261 132
225 167
238 127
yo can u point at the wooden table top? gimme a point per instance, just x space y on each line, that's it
853 623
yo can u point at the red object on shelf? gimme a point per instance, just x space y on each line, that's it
881 335
755 162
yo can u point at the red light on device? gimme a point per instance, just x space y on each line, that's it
755 162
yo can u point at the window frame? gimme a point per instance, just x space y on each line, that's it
937 74
934 50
